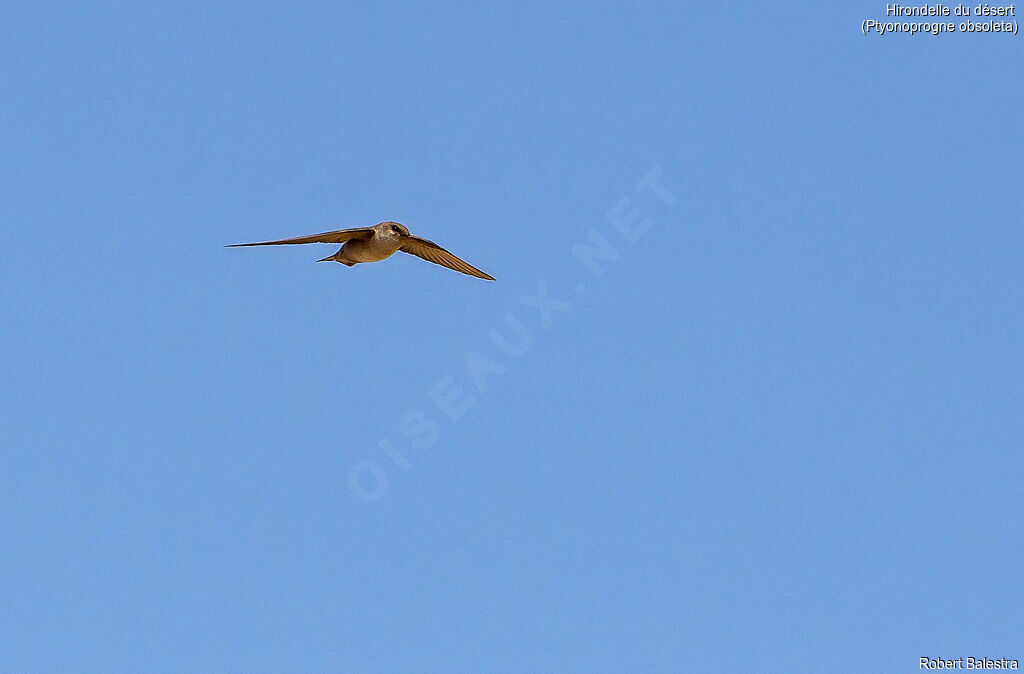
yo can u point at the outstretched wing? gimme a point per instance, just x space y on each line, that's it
340 236
431 252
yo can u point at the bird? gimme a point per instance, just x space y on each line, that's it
372 244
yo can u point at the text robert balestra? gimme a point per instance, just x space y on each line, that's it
968 663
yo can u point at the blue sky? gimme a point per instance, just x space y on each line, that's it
781 431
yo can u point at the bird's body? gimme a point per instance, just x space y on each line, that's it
378 247
372 244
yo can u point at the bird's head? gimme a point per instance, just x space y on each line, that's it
392 230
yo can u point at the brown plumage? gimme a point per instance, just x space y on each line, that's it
372 244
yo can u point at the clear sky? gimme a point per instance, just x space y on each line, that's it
746 395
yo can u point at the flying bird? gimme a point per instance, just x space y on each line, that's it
372 244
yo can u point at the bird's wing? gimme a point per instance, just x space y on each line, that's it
431 252
340 236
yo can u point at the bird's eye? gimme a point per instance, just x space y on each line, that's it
394 228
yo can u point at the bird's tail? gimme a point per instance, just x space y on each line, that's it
335 258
